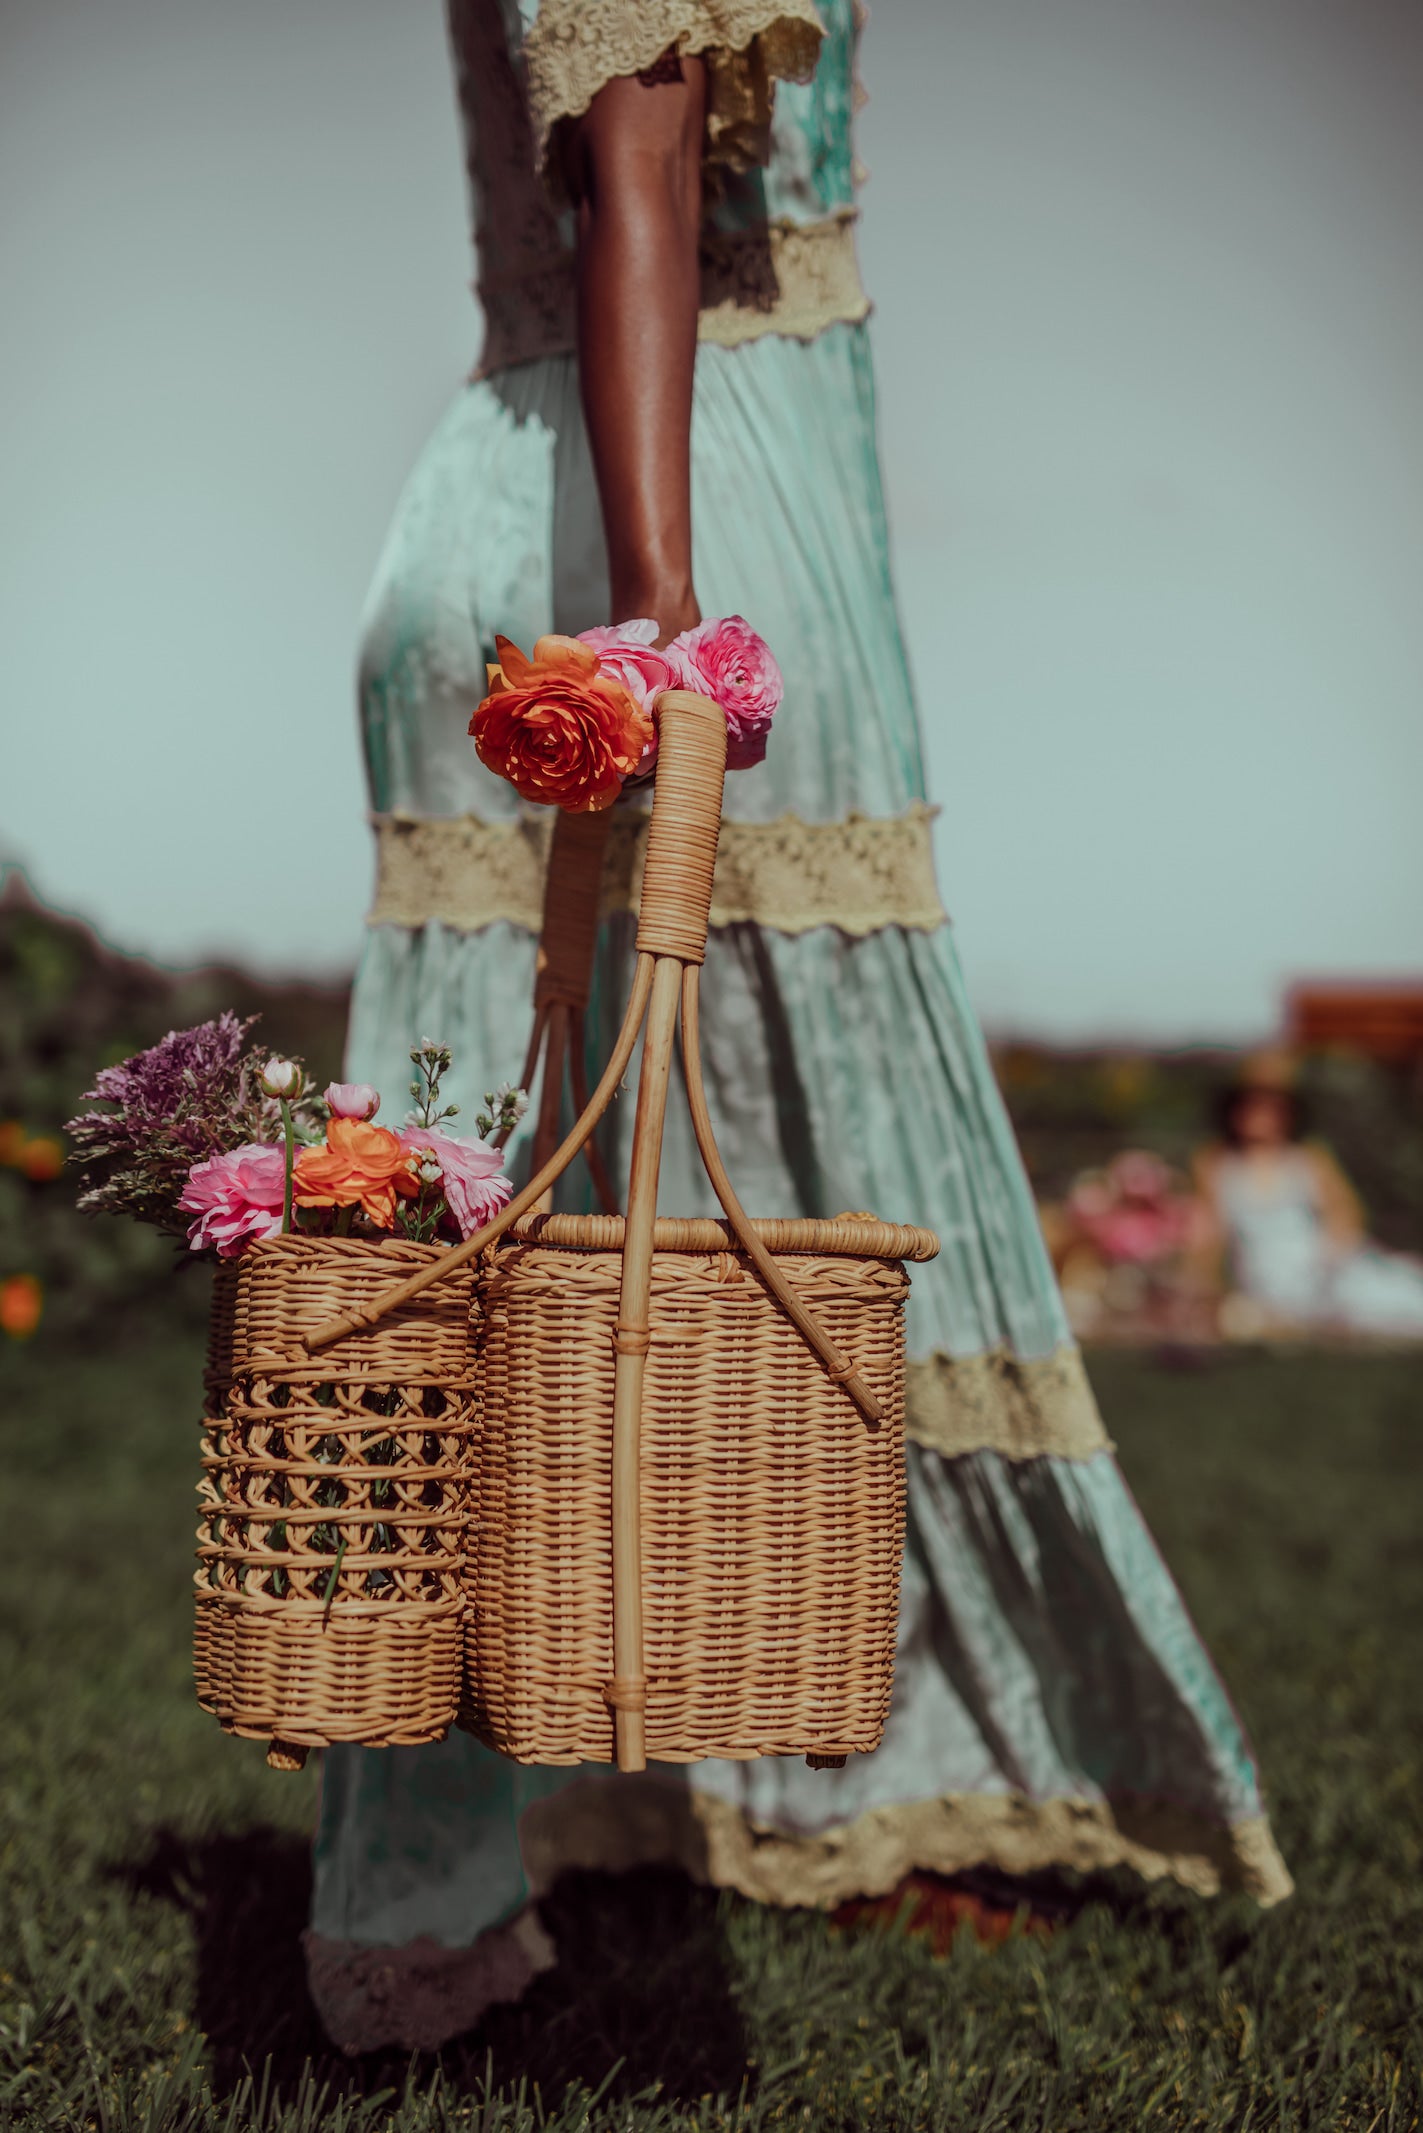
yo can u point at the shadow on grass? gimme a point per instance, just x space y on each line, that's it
640 1997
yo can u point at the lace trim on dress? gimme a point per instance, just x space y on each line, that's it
997 1402
577 46
788 278
790 876
616 1824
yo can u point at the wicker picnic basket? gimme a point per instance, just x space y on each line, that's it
686 1505
329 1599
770 1517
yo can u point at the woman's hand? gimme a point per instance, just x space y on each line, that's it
633 164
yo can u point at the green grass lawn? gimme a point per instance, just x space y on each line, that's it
153 1873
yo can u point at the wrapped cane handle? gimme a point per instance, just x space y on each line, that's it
686 823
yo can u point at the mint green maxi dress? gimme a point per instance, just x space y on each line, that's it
1053 1703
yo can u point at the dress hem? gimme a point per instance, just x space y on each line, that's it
612 1824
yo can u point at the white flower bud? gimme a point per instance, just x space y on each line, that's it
280 1077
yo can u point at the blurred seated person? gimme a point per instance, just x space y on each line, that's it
1281 1220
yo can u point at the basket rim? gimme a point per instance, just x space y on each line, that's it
833 1237
389 1250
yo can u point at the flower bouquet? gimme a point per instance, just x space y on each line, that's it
575 726
687 1500
329 1595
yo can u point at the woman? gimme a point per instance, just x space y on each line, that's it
664 208
1281 1217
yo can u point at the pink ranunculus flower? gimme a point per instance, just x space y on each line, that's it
627 654
473 1172
237 1199
728 662
352 1099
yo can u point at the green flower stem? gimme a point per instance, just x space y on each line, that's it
289 1134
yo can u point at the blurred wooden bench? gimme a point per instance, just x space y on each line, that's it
1382 1020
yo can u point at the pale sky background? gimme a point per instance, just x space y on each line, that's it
1149 336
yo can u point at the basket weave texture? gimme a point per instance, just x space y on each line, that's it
772 1518
329 1590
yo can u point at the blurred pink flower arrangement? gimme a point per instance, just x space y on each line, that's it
1134 1212
1122 1244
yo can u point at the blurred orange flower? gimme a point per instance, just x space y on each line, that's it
360 1165
41 1159
560 730
21 1302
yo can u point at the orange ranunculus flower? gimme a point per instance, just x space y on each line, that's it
360 1164
560 730
21 1302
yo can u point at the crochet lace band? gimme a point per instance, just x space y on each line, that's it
1000 1402
859 874
786 277
577 46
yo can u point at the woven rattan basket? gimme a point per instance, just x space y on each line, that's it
329 1590
772 1518
687 1504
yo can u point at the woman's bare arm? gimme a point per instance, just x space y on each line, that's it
634 168
1341 1210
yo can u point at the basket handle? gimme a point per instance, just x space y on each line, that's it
676 902
672 930
671 941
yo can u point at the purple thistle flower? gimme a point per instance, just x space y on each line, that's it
191 1096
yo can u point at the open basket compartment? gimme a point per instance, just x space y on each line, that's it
329 1598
